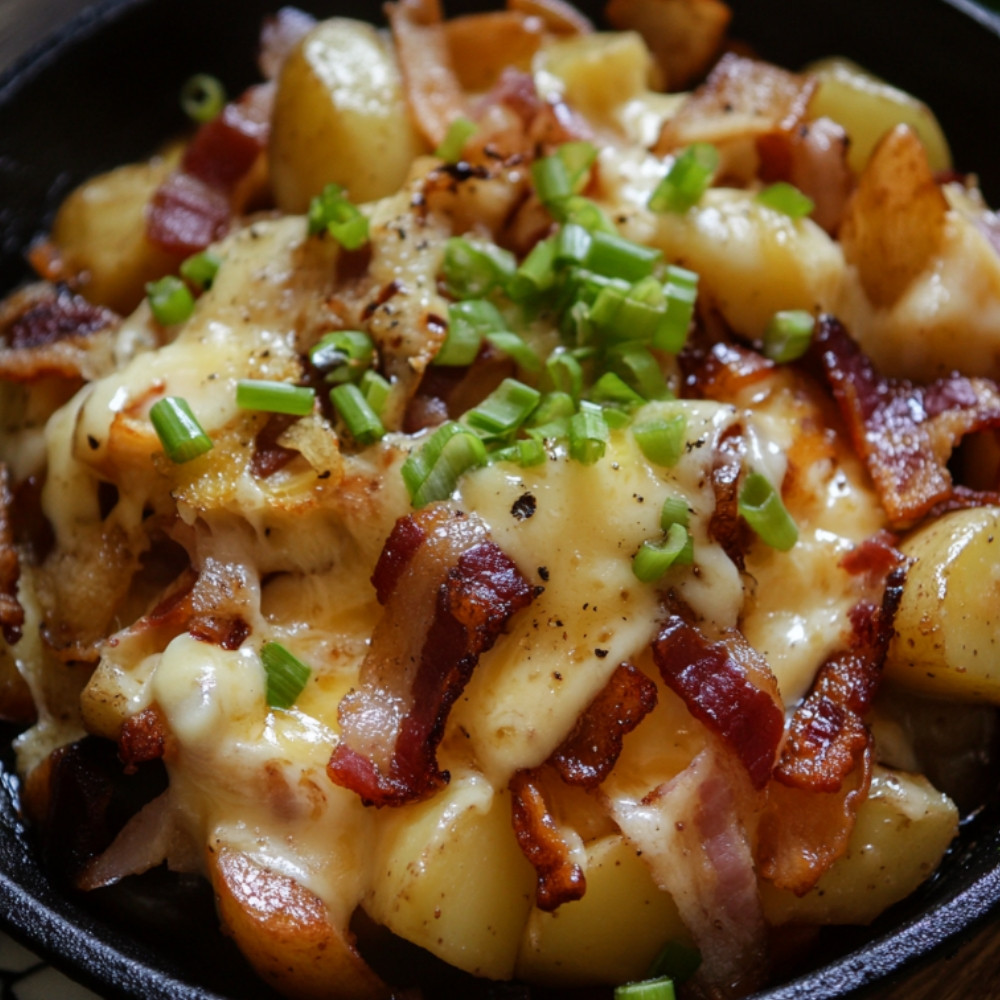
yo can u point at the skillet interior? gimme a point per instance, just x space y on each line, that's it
103 92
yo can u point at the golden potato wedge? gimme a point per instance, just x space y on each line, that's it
286 934
895 222
100 234
340 117
948 625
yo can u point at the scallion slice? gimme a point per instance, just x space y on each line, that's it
360 419
760 505
468 323
274 397
661 439
788 335
459 133
432 472
681 291
640 369
343 355
787 199
674 511
178 429
202 97
654 558
375 389
471 270
514 347
616 257
649 989
504 409
588 434
613 389
552 180
687 179
333 212
536 274
572 244
584 212
286 674
577 157
200 269
170 300
565 373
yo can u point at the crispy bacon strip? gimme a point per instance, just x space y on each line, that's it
143 738
905 433
824 771
192 208
11 612
588 754
560 879
727 686
448 593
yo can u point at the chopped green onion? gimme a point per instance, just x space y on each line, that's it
674 511
662 439
286 675
375 389
565 373
468 323
343 355
553 406
202 98
536 273
649 989
615 417
504 409
459 133
432 472
616 257
170 300
681 290
577 158
200 269
787 199
788 335
524 452
760 505
584 212
687 179
640 369
612 388
472 270
654 559
514 347
333 212
588 434
552 180
178 429
572 244
274 397
361 420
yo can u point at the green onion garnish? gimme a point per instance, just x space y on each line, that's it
577 157
674 511
616 257
524 452
640 369
787 199
681 290
343 355
584 212
332 212
514 347
553 183
472 270
286 675
536 273
687 179
654 558
200 269
504 409
202 98
274 397
375 389
178 429
649 989
588 434
662 439
361 420
565 373
432 472
468 323
572 244
760 505
170 300
459 133
613 389
788 335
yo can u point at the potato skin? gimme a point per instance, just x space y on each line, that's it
947 640
340 117
286 934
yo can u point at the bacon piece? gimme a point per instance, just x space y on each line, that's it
824 771
268 455
143 738
727 686
192 208
690 832
11 612
432 89
725 525
588 754
905 433
454 592
560 879
721 370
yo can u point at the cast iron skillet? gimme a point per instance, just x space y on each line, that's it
103 91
